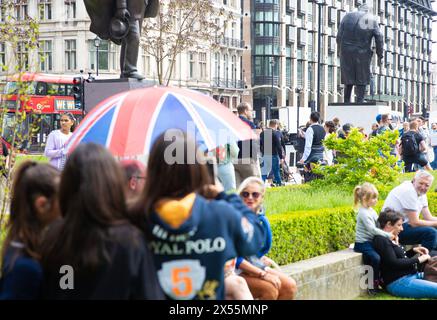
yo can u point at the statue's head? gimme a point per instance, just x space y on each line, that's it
365 7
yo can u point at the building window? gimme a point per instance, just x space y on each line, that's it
234 69
192 65
106 55
234 30
2 12
70 55
147 65
22 56
70 9
288 71
300 73
217 65
202 65
226 69
45 9
20 9
46 55
2 56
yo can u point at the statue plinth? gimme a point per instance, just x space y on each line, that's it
367 103
358 114
98 90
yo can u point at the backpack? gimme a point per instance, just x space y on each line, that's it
409 144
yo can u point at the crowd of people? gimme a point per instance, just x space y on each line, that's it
129 231
416 146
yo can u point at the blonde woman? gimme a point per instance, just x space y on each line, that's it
264 282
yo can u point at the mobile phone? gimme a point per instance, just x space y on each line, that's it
212 168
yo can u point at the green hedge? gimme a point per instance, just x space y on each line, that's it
306 234
303 235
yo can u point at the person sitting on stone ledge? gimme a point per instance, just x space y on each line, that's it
366 195
265 282
399 268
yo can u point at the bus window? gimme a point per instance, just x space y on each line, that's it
41 89
61 90
11 88
25 87
8 129
69 90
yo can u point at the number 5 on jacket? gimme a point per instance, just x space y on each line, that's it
181 279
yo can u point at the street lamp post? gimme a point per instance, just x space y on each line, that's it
298 91
320 4
97 41
272 63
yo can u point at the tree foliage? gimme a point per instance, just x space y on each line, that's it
360 160
180 26
20 35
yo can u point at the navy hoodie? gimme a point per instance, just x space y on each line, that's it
190 259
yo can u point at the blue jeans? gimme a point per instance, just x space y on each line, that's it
426 236
370 257
226 175
413 286
271 163
434 162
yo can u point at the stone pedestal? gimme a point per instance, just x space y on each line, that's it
98 90
358 114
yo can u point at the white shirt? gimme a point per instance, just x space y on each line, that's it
405 198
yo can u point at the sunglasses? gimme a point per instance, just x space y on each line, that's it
246 194
139 177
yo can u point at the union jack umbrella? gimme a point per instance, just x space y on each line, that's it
128 123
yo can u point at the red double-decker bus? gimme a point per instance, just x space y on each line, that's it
46 98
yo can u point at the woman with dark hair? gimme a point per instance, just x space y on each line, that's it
194 227
108 255
33 207
328 155
399 269
56 140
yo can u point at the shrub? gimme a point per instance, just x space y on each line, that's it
361 160
306 234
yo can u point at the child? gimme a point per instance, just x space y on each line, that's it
366 229
33 207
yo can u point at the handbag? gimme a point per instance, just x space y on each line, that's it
430 270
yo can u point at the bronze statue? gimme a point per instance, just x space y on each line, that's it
357 29
120 21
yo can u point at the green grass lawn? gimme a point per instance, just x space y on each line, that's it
35 157
307 197
297 198
385 296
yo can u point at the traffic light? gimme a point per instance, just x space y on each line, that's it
425 112
78 92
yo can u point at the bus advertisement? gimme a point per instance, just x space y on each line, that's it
45 99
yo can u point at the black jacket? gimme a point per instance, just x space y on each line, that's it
395 262
130 273
271 143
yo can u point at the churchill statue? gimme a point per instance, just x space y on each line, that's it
355 34
120 21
